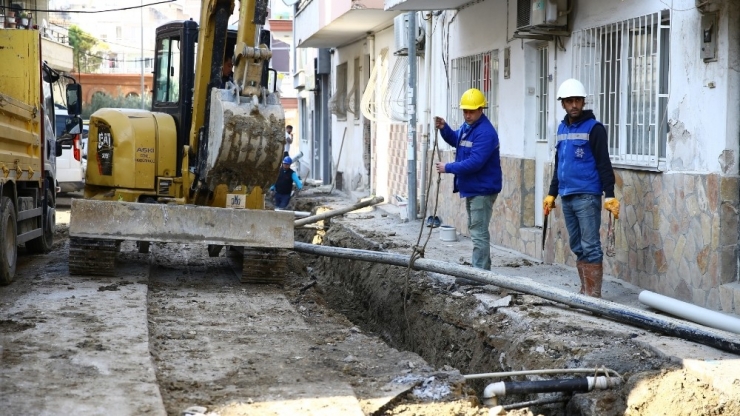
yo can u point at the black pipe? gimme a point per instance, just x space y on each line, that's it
622 313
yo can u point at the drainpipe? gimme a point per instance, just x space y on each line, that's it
427 113
690 311
411 110
371 174
500 389
722 340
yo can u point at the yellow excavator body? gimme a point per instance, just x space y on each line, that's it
215 144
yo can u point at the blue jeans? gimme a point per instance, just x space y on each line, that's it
281 200
582 214
480 209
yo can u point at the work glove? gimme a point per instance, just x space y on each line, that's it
548 204
612 205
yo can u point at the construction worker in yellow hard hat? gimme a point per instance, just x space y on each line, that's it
583 173
477 170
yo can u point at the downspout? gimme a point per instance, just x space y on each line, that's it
371 174
411 111
427 113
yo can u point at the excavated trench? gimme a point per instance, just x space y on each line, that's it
447 325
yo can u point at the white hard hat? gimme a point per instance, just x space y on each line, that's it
571 88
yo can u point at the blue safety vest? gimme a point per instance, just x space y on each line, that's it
577 173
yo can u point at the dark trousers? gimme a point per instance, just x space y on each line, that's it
281 200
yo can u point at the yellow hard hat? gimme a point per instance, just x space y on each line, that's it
472 99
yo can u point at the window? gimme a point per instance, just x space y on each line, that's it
167 72
624 67
113 60
541 93
338 101
477 71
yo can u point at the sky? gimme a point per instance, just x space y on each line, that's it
276 6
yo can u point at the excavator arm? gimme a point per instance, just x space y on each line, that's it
211 116
232 151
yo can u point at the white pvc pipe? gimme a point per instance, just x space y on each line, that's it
690 311
607 371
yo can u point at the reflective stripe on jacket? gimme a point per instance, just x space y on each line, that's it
477 165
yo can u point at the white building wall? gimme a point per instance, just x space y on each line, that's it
698 142
383 39
350 161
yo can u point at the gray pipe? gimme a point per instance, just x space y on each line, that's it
411 110
622 313
334 213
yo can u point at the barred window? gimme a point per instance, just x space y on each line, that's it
338 101
543 98
624 67
477 71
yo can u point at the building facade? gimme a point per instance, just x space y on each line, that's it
662 77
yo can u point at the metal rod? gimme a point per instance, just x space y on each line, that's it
621 313
538 402
606 371
334 213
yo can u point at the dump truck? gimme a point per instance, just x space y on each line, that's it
28 148
194 167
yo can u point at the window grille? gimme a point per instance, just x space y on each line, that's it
624 67
542 93
338 101
477 71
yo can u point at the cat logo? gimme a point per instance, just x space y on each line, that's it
236 201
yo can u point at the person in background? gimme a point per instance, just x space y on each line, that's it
288 139
227 71
583 172
477 170
283 187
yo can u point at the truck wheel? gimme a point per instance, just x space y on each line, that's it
45 243
9 244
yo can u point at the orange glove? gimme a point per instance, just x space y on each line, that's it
612 205
548 204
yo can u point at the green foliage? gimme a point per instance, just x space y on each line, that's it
83 44
101 100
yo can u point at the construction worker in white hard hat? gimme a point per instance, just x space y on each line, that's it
583 173
477 170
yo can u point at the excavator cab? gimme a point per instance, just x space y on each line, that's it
193 168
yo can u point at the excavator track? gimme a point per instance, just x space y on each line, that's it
95 257
264 266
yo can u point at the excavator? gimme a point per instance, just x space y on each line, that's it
193 169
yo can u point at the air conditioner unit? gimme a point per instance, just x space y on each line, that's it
401 34
310 81
542 18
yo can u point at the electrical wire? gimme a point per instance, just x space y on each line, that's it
99 11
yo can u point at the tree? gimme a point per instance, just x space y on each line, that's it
83 44
102 100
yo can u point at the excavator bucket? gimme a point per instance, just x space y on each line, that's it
245 141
